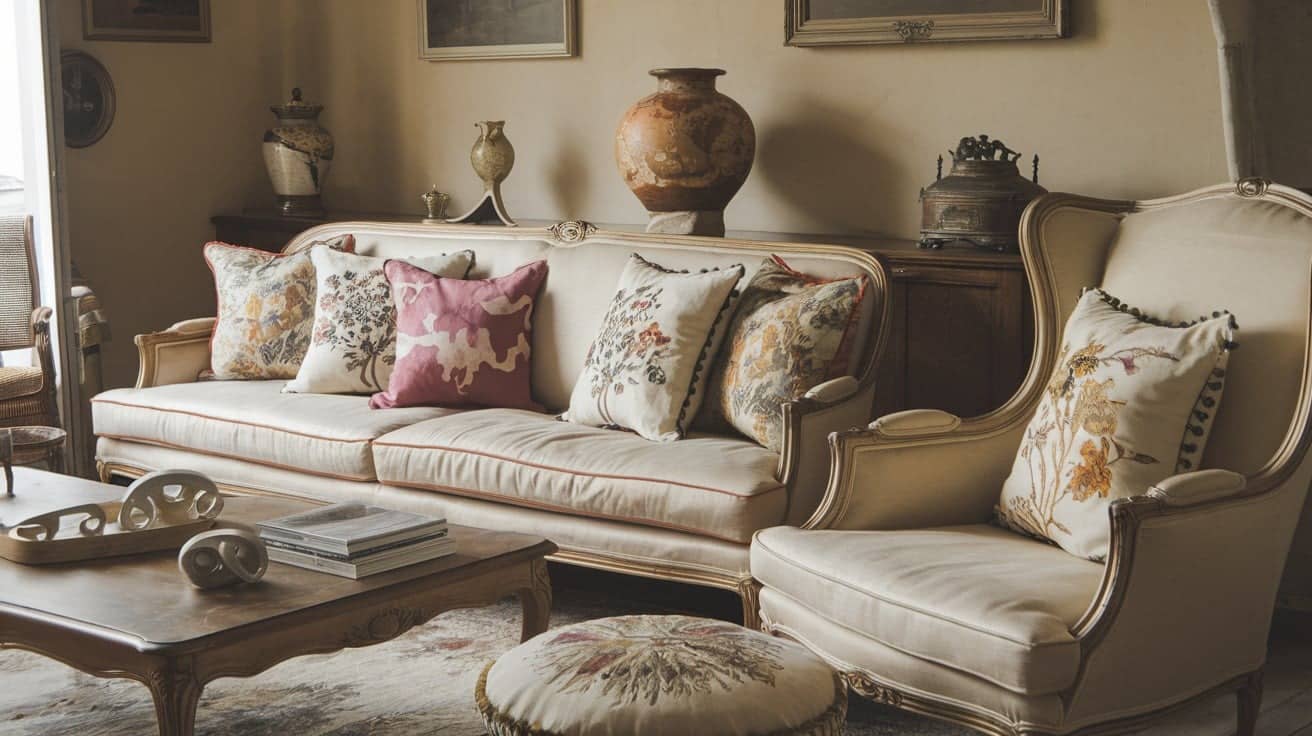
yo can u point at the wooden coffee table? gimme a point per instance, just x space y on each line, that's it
138 617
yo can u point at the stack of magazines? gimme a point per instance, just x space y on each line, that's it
354 540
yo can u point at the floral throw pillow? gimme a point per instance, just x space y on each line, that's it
640 371
265 309
462 343
353 344
1130 402
791 333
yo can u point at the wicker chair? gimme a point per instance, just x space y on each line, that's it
27 393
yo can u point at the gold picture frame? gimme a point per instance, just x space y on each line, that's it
976 21
146 20
548 28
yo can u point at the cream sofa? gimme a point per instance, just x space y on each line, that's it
682 510
901 582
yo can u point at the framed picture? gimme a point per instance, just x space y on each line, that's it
146 20
847 22
496 29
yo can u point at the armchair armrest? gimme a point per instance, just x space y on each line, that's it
915 423
43 355
1201 486
915 469
175 355
1194 567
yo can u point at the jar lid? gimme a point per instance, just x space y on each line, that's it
296 108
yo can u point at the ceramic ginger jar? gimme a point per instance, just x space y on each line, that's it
298 153
685 151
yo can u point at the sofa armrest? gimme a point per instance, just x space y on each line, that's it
834 390
917 469
1185 574
175 355
833 406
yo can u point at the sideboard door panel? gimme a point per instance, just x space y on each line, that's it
959 340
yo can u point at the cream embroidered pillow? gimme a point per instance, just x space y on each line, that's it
353 343
1130 403
654 340
791 332
265 308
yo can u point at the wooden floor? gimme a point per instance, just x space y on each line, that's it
1286 702
1287 697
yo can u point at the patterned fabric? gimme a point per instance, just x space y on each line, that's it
265 309
462 343
353 343
660 674
640 371
1130 403
791 333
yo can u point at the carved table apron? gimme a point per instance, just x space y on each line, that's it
138 617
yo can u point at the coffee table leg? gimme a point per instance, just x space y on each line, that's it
176 692
535 600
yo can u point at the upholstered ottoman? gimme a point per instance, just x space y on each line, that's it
660 676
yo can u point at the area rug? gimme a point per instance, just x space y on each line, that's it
421 683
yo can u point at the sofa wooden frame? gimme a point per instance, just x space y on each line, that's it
153 349
924 429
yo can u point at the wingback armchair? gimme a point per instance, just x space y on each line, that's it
900 580
27 392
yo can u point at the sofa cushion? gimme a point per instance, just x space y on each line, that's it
717 486
977 598
254 421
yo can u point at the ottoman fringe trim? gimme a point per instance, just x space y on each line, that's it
498 723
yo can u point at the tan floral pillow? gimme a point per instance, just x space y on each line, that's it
657 333
791 333
1130 402
265 309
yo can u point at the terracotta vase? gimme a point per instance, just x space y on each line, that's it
298 153
685 151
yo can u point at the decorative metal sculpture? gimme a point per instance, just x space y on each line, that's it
435 205
224 557
150 503
981 200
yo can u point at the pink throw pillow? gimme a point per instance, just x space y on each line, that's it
461 342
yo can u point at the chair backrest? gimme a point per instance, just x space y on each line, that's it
18 284
1244 247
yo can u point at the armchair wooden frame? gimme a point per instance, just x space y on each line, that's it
986 445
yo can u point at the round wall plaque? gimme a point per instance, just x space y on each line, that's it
88 99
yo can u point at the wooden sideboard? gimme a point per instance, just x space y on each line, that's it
962 318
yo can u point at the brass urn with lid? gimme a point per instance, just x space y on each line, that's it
981 200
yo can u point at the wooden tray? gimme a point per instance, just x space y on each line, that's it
112 542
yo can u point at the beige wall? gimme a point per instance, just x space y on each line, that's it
185 144
1128 107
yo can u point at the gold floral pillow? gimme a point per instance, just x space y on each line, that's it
1130 402
791 333
265 309
641 368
